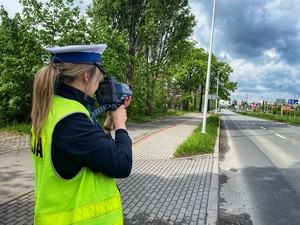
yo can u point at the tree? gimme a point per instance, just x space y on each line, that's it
148 41
190 74
23 37
19 59
116 56
225 85
56 22
155 31
122 17
190 77
167 26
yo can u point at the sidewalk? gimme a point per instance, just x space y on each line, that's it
159 191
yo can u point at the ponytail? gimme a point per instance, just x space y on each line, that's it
44 85
43 91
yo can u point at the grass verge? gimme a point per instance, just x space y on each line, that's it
143 118
267 116
24 128
19 128
199 143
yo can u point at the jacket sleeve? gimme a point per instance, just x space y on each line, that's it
77 143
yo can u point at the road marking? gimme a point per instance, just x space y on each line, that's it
278 135
263 128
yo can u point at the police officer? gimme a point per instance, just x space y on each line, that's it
76 160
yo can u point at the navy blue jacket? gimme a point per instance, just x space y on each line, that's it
77 143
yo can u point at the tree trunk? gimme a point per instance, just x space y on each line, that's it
185 105
201 98
150 95
149 107
131 41
130 70
195 100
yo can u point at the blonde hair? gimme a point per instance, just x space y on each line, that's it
44 86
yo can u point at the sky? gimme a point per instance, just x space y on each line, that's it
260 39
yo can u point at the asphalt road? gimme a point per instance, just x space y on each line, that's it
259 172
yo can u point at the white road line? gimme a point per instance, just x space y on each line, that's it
278 135
263 128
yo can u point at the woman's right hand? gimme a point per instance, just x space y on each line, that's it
119 117
127 101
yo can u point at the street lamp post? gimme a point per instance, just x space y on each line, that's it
208 69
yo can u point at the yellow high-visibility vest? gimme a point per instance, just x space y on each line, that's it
88 198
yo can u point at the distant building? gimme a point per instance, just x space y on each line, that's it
224 104
234 102
280 101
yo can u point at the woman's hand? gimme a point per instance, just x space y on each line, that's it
108 124
127 101
119 117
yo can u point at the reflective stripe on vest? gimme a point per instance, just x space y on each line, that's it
87 199
83 213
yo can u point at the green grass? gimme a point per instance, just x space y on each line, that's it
199 143
24 128
132 119
143 118
279 118
20 128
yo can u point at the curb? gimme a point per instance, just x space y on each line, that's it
213 196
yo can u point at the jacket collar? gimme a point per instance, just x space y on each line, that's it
72 93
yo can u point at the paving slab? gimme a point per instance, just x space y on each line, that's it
16 173
157 192
160 190
167 191
162 144
13 142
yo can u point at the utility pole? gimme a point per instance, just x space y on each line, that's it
208 69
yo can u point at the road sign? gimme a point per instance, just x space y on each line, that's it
293 102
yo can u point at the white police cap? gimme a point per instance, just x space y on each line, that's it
80 54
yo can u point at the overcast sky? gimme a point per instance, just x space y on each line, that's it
260 39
